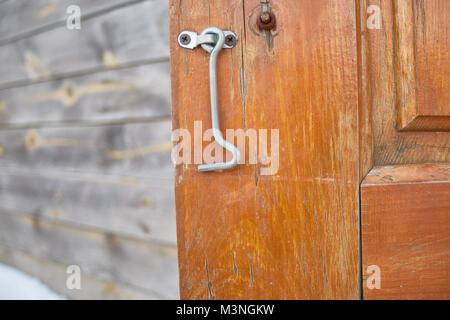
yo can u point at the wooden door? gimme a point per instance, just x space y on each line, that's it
405 199
329 91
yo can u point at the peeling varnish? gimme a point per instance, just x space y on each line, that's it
251 271
322 180
243 87
139 152
211 296
256 178
235 269
374 172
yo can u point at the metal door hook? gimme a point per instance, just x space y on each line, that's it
213 40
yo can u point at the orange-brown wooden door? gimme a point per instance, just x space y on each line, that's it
405 198
337 94
294 233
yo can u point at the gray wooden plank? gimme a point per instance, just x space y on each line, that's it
140 150
134 33
54 276
135 207
20 18
140 92
103 256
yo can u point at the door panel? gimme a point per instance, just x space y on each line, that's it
405 217
292 234
404 204
393 95
422 55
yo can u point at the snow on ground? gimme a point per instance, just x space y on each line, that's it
17 285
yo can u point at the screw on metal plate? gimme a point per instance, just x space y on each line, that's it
230 40
191 40
185 39
213 40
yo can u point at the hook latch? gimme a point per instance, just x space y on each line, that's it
213 40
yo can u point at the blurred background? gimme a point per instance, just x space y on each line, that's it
85 171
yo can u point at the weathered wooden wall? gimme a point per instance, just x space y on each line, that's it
85 170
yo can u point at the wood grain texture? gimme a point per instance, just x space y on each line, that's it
135 33
405 62
54 276
379 74
105 256
138 93
116 178
292 235
23 18
139 150
413 173
137 207
85 170
422 56
433 57
406 231
366 143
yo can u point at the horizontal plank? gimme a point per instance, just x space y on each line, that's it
405 231
22 18
409 173
103 256
140 150
140 92
117 178
133 33
138 207
54 276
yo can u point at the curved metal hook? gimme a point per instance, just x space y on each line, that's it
214 50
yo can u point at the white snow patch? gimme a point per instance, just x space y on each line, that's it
17 285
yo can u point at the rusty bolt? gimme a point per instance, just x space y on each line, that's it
265 17
185 39
230 40
266 21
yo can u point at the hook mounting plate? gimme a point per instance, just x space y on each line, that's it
191 40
